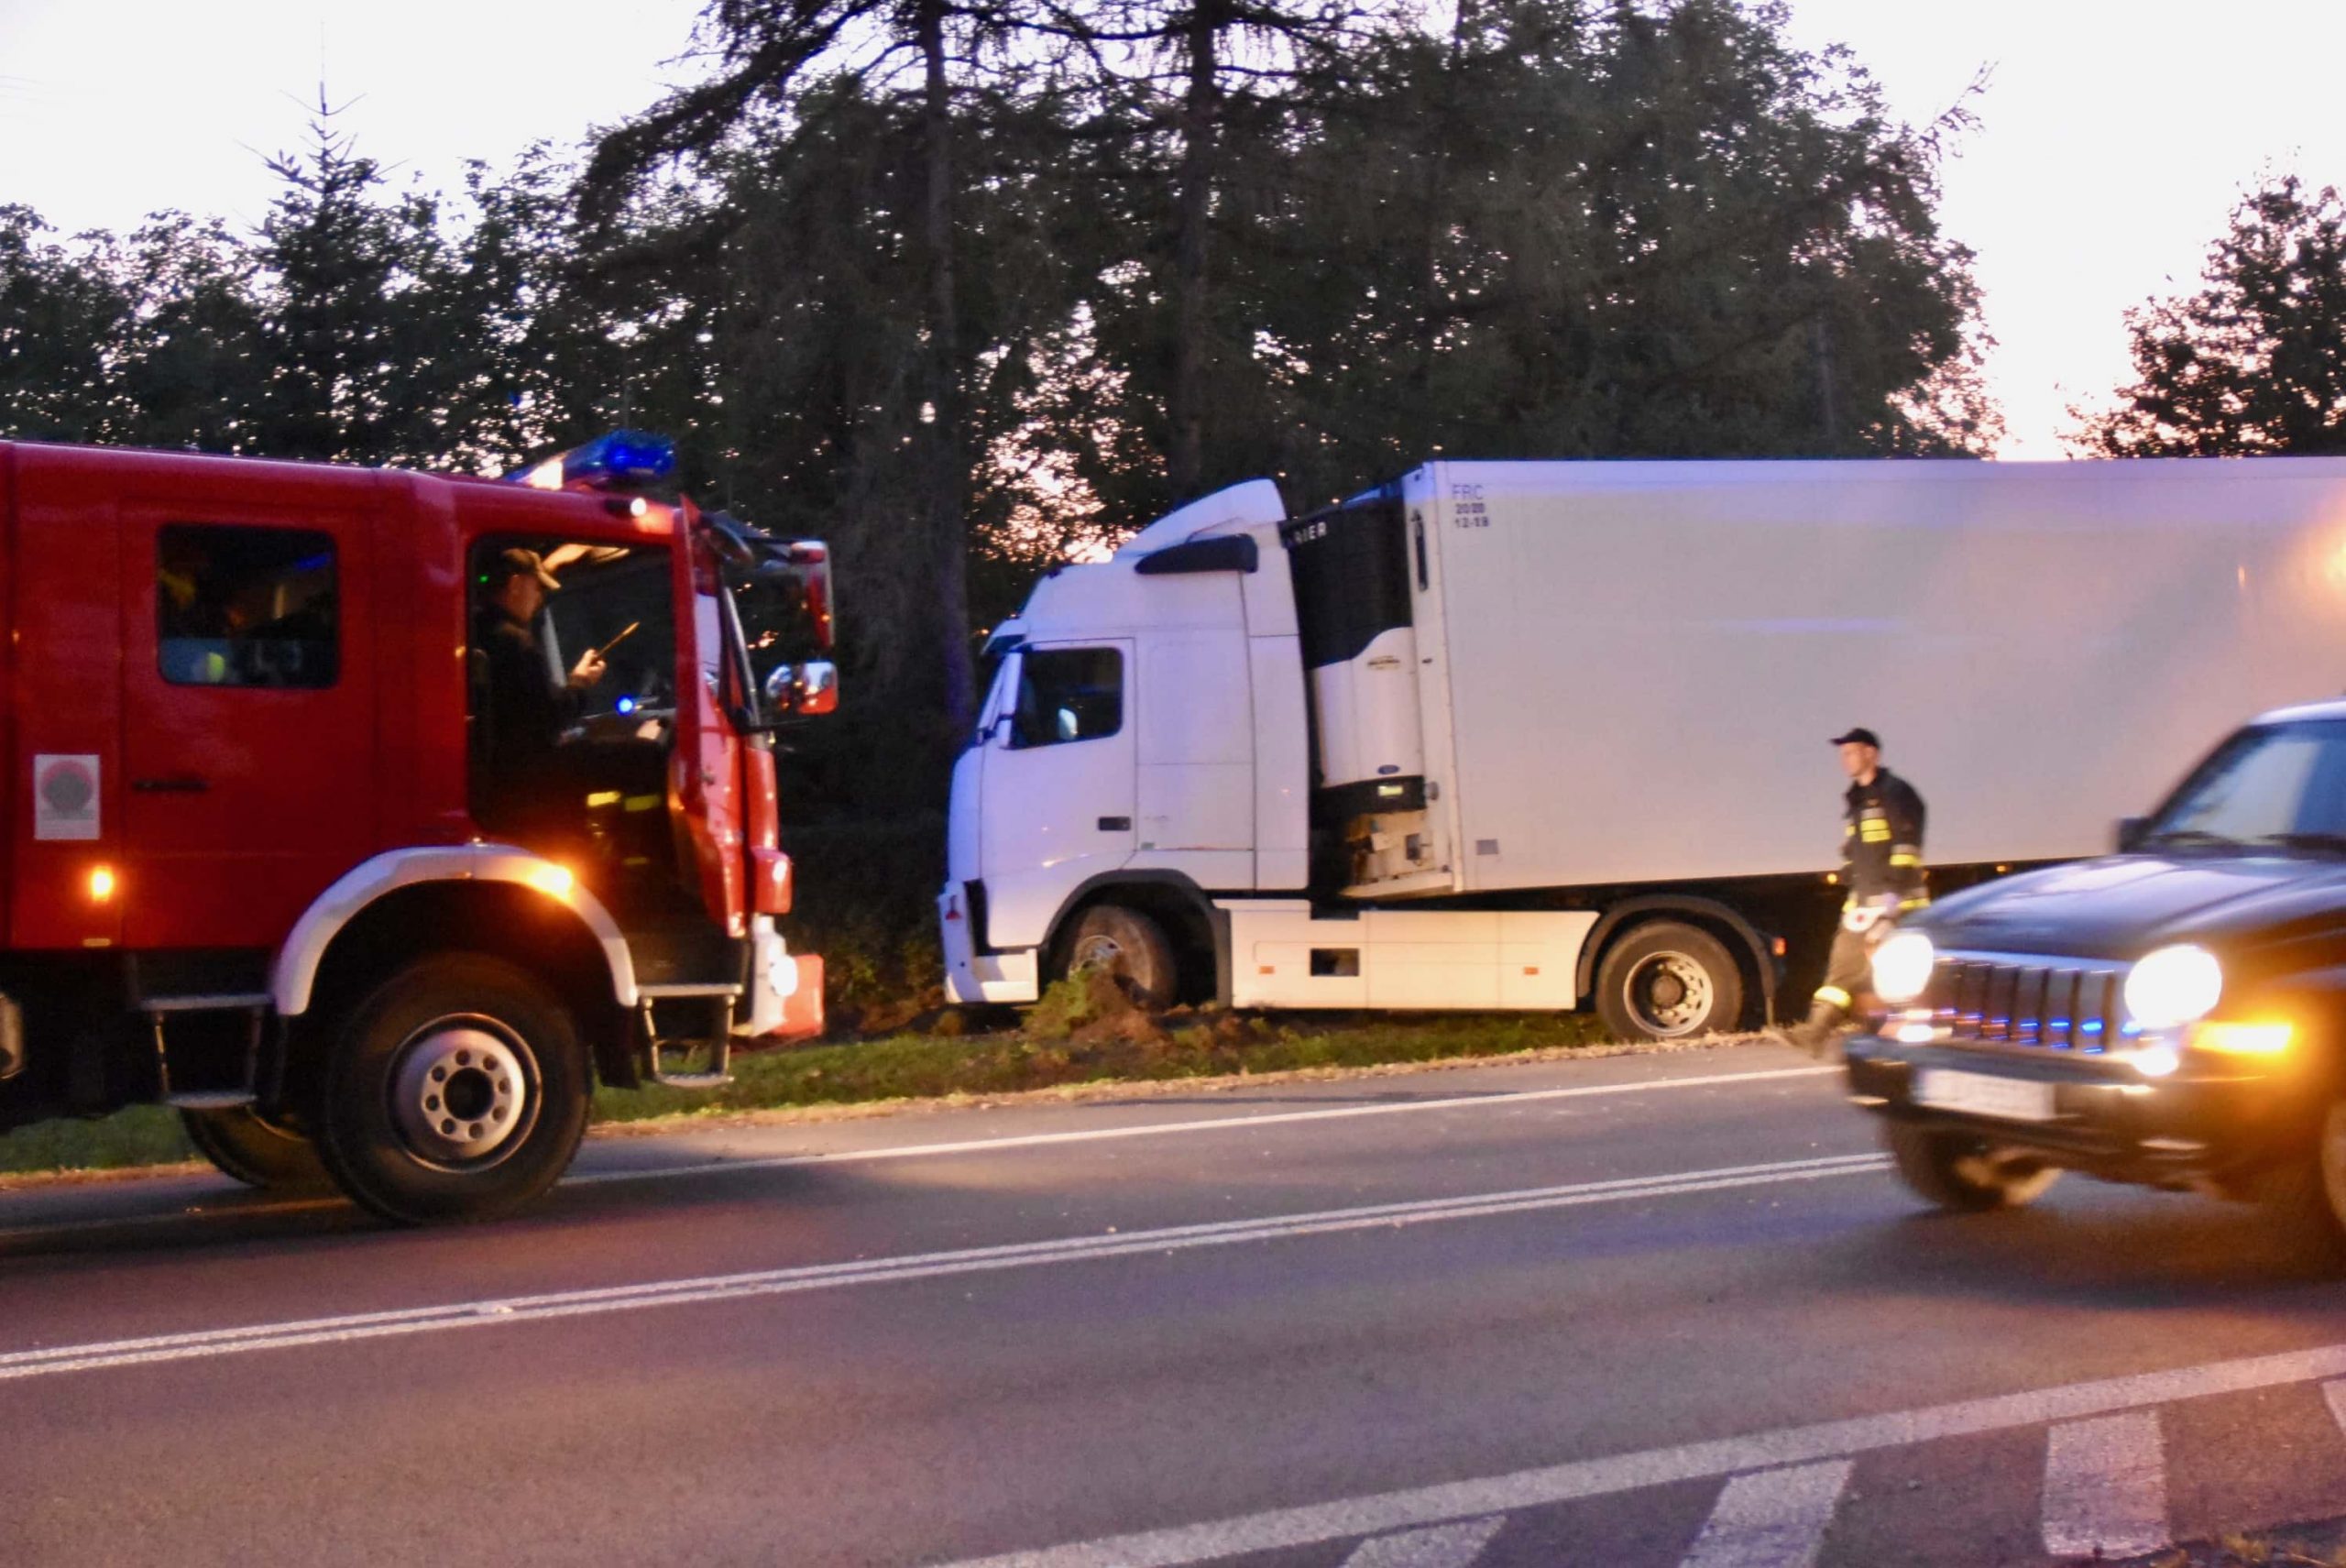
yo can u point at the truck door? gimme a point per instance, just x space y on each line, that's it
248 715
1057 800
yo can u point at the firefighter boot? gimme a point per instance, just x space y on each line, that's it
1819 1034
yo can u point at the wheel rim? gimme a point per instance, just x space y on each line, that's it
463 1091
1669 994
1097 951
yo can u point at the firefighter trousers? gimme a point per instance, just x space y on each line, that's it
1848 971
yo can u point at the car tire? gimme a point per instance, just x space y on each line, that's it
1668 981
457 1091
244 1144
1127 945
2305 1195
1962 1172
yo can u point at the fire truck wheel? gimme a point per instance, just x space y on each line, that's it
457 1091
1965 1174
1667 981
1129 946
253 1149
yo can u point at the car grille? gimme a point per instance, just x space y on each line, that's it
2060 1004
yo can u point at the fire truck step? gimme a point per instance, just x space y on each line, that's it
254 1006
652 1047
692 1079
230 1002
211 1100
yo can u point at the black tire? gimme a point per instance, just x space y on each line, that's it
258 1152
458 1091
1665 980
2305 1195
1128 944
1963 1173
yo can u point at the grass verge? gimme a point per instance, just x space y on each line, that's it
1073 1038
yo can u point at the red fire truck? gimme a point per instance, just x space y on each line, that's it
368 818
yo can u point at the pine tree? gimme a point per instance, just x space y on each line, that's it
2253 363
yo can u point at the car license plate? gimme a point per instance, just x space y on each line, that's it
1981 1094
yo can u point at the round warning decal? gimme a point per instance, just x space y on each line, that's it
65 796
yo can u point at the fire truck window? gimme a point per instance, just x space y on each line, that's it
246 607
1068 694
573 701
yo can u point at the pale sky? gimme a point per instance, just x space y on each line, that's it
2115 135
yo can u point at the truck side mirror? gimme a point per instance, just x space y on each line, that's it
805 690
2129 836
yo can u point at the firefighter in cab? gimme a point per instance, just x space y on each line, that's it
1882 868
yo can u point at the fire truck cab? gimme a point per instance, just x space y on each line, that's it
368 817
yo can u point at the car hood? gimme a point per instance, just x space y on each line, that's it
2123 905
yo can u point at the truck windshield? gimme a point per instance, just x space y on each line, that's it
2276 786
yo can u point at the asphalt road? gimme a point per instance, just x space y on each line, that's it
1665 1309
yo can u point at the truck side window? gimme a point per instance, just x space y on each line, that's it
246 607
1068 694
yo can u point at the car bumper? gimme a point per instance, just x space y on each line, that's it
2193 1126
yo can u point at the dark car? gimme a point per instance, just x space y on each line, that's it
2174 1014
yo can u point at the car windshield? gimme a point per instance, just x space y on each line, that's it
2281 784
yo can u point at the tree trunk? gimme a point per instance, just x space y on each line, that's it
1200 116
938 437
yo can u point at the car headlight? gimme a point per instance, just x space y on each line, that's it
2173 985
1902 966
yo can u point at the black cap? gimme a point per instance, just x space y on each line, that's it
511 564
1860 736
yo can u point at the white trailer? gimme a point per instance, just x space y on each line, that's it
1534 735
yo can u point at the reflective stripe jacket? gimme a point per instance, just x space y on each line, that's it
1881 843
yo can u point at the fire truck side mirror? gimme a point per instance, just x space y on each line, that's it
804 690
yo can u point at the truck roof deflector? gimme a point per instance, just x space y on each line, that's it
1225 552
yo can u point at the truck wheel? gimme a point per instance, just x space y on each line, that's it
457 1091
248 1147
1667 981
1963 1173
1128 944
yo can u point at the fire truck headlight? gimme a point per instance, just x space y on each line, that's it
783 975
2172 986
1902 967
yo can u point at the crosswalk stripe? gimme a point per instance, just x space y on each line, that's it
2105 1486
1774 1518
2334 1391
1438 1546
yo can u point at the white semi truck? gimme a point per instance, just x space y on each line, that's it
1546 735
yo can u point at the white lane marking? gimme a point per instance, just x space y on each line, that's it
1206 1124
1436 1546
724 1167
2105 1487
923 1265
2335 1393
1380 1513
1773 1520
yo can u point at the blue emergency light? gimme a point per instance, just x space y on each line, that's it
624 459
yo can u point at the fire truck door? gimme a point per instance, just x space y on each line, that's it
249 716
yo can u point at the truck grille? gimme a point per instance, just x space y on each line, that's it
2057 1005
